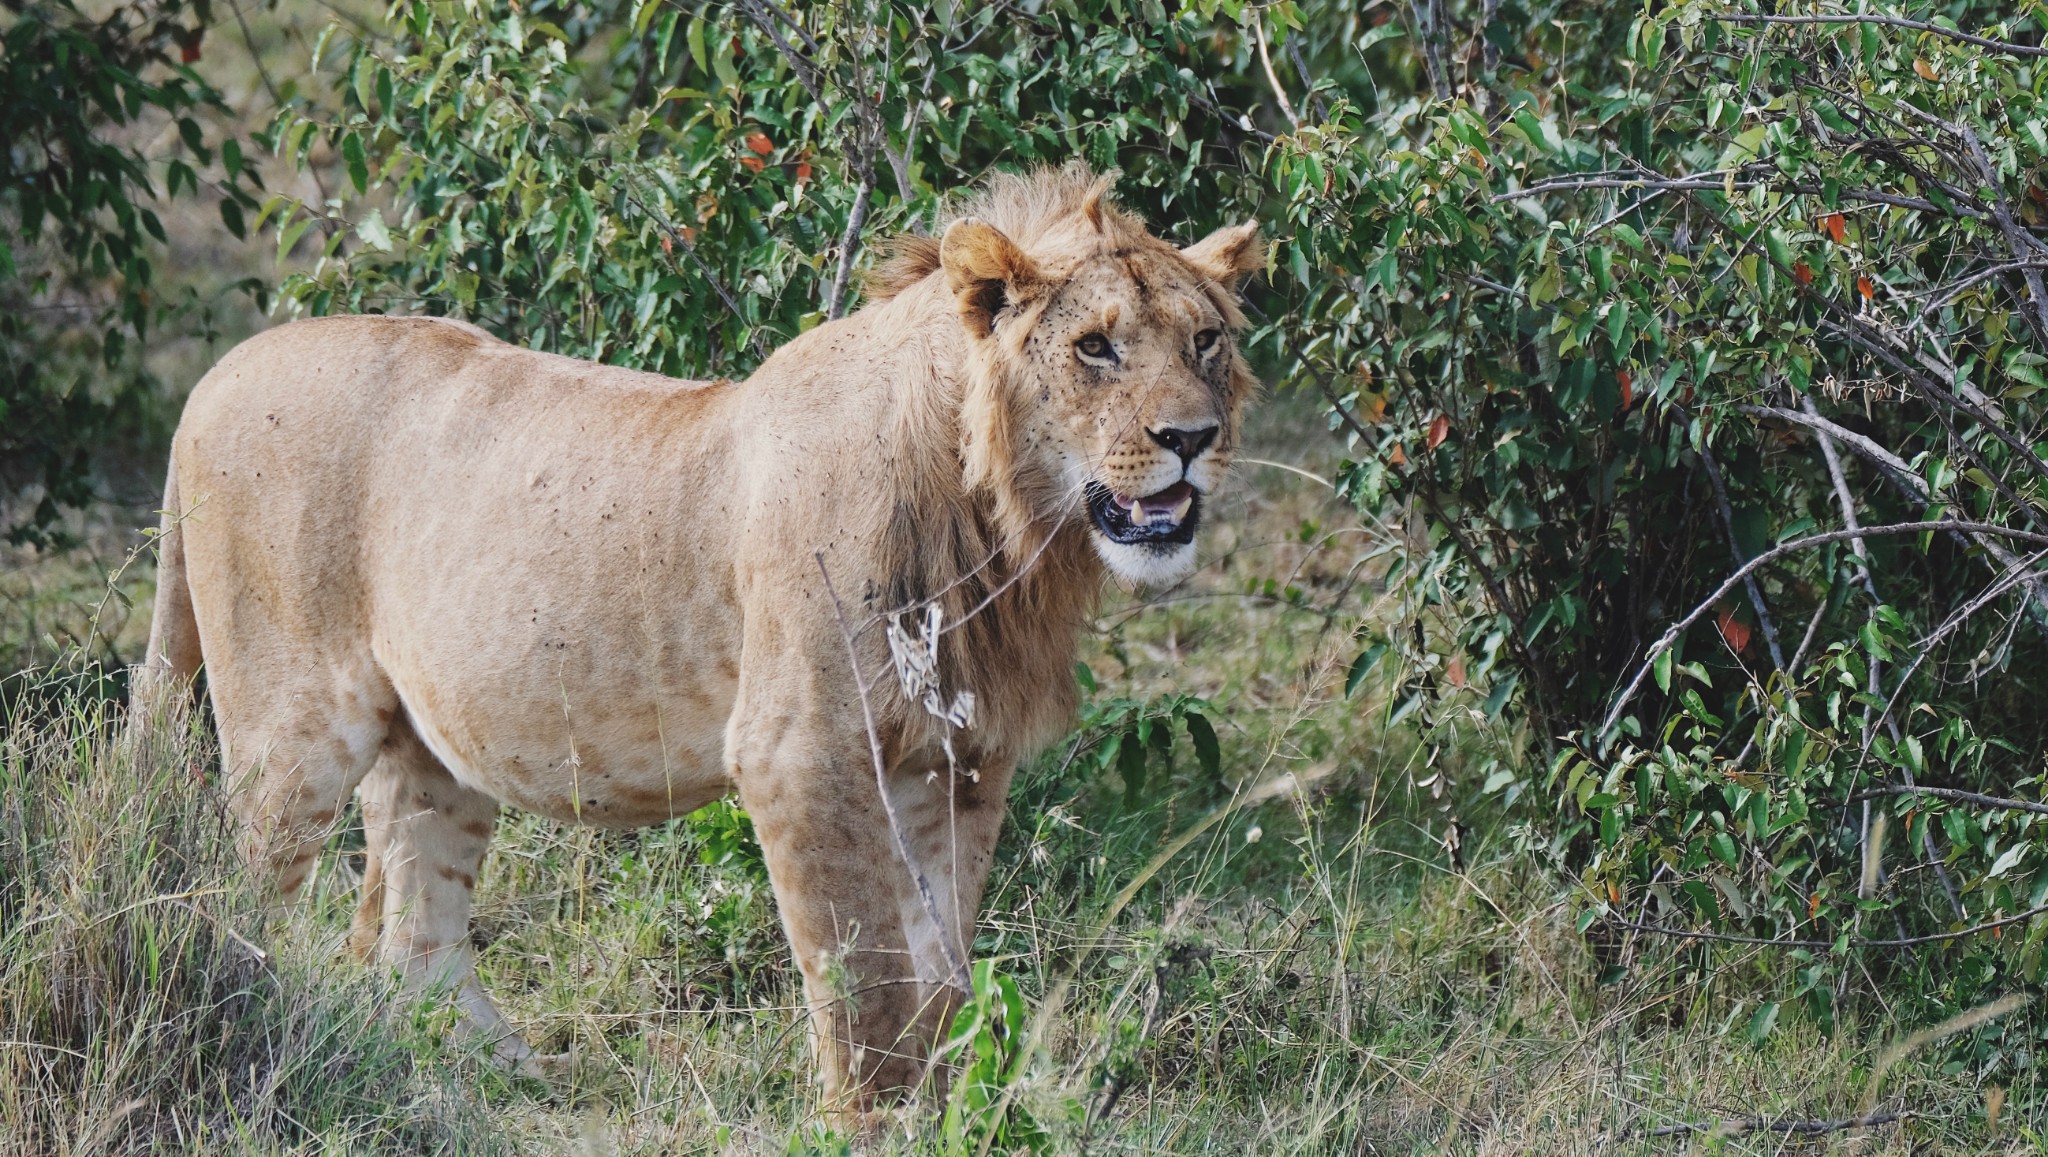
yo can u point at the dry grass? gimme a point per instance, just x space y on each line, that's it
1312 973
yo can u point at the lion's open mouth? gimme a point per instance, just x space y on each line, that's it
1169 516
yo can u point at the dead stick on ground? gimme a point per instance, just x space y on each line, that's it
1738 1126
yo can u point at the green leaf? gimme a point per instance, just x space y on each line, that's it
373 232
1761 1024
695 36
1362 666
1208 752
1130 763
1662 670
358 167
1723 847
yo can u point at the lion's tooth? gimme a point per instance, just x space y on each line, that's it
1181 511
1137 511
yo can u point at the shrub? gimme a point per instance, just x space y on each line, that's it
1636 302
79 296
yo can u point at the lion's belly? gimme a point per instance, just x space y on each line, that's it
603 756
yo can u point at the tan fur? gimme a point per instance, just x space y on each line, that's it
459 574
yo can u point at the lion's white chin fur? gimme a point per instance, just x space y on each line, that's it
1146 564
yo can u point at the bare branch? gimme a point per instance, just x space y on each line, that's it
1708 184
1889 21
807 74
1781 942
1266 59
1727 512
849 247
1955 795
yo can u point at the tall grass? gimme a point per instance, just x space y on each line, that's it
144 1006
1337 984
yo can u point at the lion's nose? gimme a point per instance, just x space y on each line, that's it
1188 444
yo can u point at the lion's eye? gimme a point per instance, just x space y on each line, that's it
1206 340
1097 347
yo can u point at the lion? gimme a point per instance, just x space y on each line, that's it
451 575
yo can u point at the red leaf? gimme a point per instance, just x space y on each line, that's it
1733 631
1803 273
1439 429
1399 457
1628 394
760 143
188 52
1454 671
753 164
803 170
1834 225
1866 287
1924 69
667 246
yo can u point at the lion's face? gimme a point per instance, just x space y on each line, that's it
1123 385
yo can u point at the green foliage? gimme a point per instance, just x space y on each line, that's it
682 187
1580 320
79 295
982 1114
1134 740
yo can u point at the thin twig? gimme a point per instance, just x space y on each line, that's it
1703 184
1727 512
849 246
867 710
1266 59
1902 476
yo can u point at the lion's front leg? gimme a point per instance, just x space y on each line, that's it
876 978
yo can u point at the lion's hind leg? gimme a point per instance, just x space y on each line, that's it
426 836
295 748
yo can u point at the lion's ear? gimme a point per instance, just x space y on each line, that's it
986 270
1228 254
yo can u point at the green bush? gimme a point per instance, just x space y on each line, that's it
1643 296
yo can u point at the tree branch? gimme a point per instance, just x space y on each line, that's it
1783 549
849 247
1266 59
1955 795
1756 594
